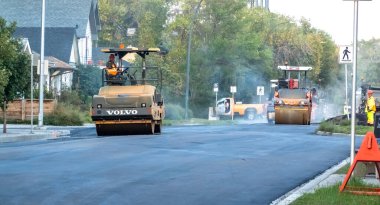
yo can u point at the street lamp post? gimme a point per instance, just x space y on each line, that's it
353 103
188 60
42 61
354 71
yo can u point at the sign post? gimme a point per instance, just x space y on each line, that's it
345 57
216 89
345 54
260 91
233 91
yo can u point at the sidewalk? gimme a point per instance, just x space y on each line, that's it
17 133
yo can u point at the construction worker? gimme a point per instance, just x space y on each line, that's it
370 108
111 66
276 94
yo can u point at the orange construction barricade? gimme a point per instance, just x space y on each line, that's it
368 152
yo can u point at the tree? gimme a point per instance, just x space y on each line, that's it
4 78
369 61
88 80
14 64
231 45
147 16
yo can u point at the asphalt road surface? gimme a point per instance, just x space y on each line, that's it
237 164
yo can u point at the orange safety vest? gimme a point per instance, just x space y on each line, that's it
111 69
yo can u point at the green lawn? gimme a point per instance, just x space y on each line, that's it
344 169
343 127
331 196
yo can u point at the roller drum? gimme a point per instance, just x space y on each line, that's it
292 116
127 129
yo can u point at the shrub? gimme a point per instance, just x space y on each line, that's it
74 98
345 122
176 112
65 115
326 126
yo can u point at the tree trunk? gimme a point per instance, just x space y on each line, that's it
5 117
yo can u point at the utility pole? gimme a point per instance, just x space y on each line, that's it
42 66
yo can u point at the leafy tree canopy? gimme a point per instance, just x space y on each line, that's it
231 45
14 65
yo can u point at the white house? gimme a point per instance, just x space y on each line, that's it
71 30
82 15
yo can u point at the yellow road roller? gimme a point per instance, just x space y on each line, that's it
293 100
127 104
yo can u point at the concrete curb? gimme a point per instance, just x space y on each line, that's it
37 135
310 186
23 137
335 134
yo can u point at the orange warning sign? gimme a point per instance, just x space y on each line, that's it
368 152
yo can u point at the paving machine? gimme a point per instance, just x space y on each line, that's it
293 102
125 104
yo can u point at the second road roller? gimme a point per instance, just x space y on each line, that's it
127 104
293 99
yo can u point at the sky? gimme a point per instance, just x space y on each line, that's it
335 17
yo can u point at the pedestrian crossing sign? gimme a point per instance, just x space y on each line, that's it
345 54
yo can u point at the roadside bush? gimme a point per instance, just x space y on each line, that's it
345 123
64 115
74 98
176 112
343 126
74 101
326 127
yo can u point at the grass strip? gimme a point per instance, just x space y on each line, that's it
343 127
331 196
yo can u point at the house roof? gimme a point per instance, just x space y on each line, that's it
58 13
56 66
58 41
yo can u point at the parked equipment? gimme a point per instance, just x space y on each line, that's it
127 105
293 105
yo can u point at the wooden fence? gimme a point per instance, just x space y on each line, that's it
21 109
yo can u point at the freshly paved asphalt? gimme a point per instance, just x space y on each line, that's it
239 164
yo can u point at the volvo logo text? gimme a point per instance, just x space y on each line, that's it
122 112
